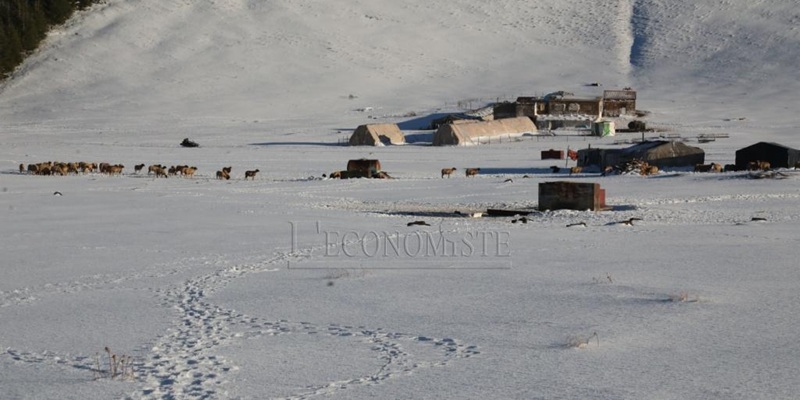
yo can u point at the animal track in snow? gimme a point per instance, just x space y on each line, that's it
183 362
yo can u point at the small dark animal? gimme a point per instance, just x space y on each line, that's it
629 222
382 175
137 168
583 224
155 167
524 220
423 223
508 180
251 174
472 171
223 175
188 143
57 194
448 171
22 168
158 170
525 176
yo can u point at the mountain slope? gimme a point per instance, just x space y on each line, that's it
180 62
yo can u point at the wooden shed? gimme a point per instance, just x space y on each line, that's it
563 195
552 154
377 135
369 167
523 107
778 155
619 102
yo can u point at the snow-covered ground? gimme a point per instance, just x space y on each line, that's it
286 286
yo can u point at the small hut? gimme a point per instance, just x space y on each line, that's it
368 167
361 168
603 128
552 154
564 195
619 102
476 132
778 155
377 135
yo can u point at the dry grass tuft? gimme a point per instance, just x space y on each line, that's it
118 367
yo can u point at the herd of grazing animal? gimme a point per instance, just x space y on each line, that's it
162 171
156 170
66 168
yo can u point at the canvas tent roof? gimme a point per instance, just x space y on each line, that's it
377 135
664 153
481 114
473 133
778 155
661 153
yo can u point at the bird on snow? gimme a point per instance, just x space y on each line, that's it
629 222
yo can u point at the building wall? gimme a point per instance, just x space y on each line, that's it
574 107
616 108
505 110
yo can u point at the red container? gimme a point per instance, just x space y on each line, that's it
553 154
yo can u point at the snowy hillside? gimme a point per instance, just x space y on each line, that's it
286 286
232 62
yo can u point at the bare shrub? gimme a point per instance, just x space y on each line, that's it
581 342
683 297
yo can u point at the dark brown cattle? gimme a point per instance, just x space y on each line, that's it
448 171
251 174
